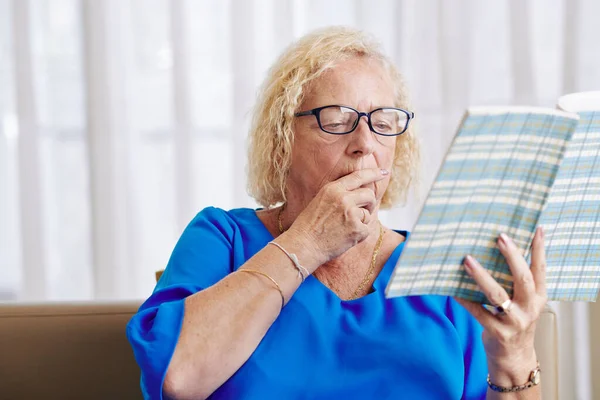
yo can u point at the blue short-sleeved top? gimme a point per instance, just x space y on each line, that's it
320 347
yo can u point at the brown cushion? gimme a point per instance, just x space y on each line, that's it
67 351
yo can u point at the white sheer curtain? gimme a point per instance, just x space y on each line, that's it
120 119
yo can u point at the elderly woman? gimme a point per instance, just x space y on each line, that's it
287 302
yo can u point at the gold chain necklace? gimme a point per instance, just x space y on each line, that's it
371 270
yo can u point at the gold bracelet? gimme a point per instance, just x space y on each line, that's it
253 271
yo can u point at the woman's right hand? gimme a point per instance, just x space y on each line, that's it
339 216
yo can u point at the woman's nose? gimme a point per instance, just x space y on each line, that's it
362 142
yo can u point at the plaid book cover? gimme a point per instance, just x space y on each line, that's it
497 177
572 217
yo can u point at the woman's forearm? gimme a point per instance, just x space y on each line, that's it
223 324
221 327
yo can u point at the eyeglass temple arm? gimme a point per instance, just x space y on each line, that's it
303 113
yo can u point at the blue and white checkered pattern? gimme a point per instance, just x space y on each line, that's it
497 177
572 217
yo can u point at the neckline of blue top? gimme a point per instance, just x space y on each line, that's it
378 285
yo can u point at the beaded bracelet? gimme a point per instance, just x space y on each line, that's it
302 272
534 379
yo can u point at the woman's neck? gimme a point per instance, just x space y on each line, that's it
345 273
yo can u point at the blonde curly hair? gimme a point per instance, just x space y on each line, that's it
271 135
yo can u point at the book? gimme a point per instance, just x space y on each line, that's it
508 170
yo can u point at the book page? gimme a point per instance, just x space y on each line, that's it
495 178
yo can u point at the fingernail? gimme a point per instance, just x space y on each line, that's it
503 240
384 172
501 244
468 263
542 232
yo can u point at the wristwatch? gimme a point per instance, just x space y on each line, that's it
534 380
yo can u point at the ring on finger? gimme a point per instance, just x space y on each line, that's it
364 216
500 310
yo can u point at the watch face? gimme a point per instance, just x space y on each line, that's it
535 377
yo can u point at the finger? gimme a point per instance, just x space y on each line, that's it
483 316
365 217
363 197
486 282
362 177
538 262
361 215
524 286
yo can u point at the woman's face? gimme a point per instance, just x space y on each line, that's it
319 157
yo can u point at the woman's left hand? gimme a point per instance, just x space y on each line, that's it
508 337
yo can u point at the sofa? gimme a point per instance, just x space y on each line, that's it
67 351
79 351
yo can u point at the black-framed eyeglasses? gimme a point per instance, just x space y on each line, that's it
341 120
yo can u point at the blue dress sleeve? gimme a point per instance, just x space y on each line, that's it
202 257
475 360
